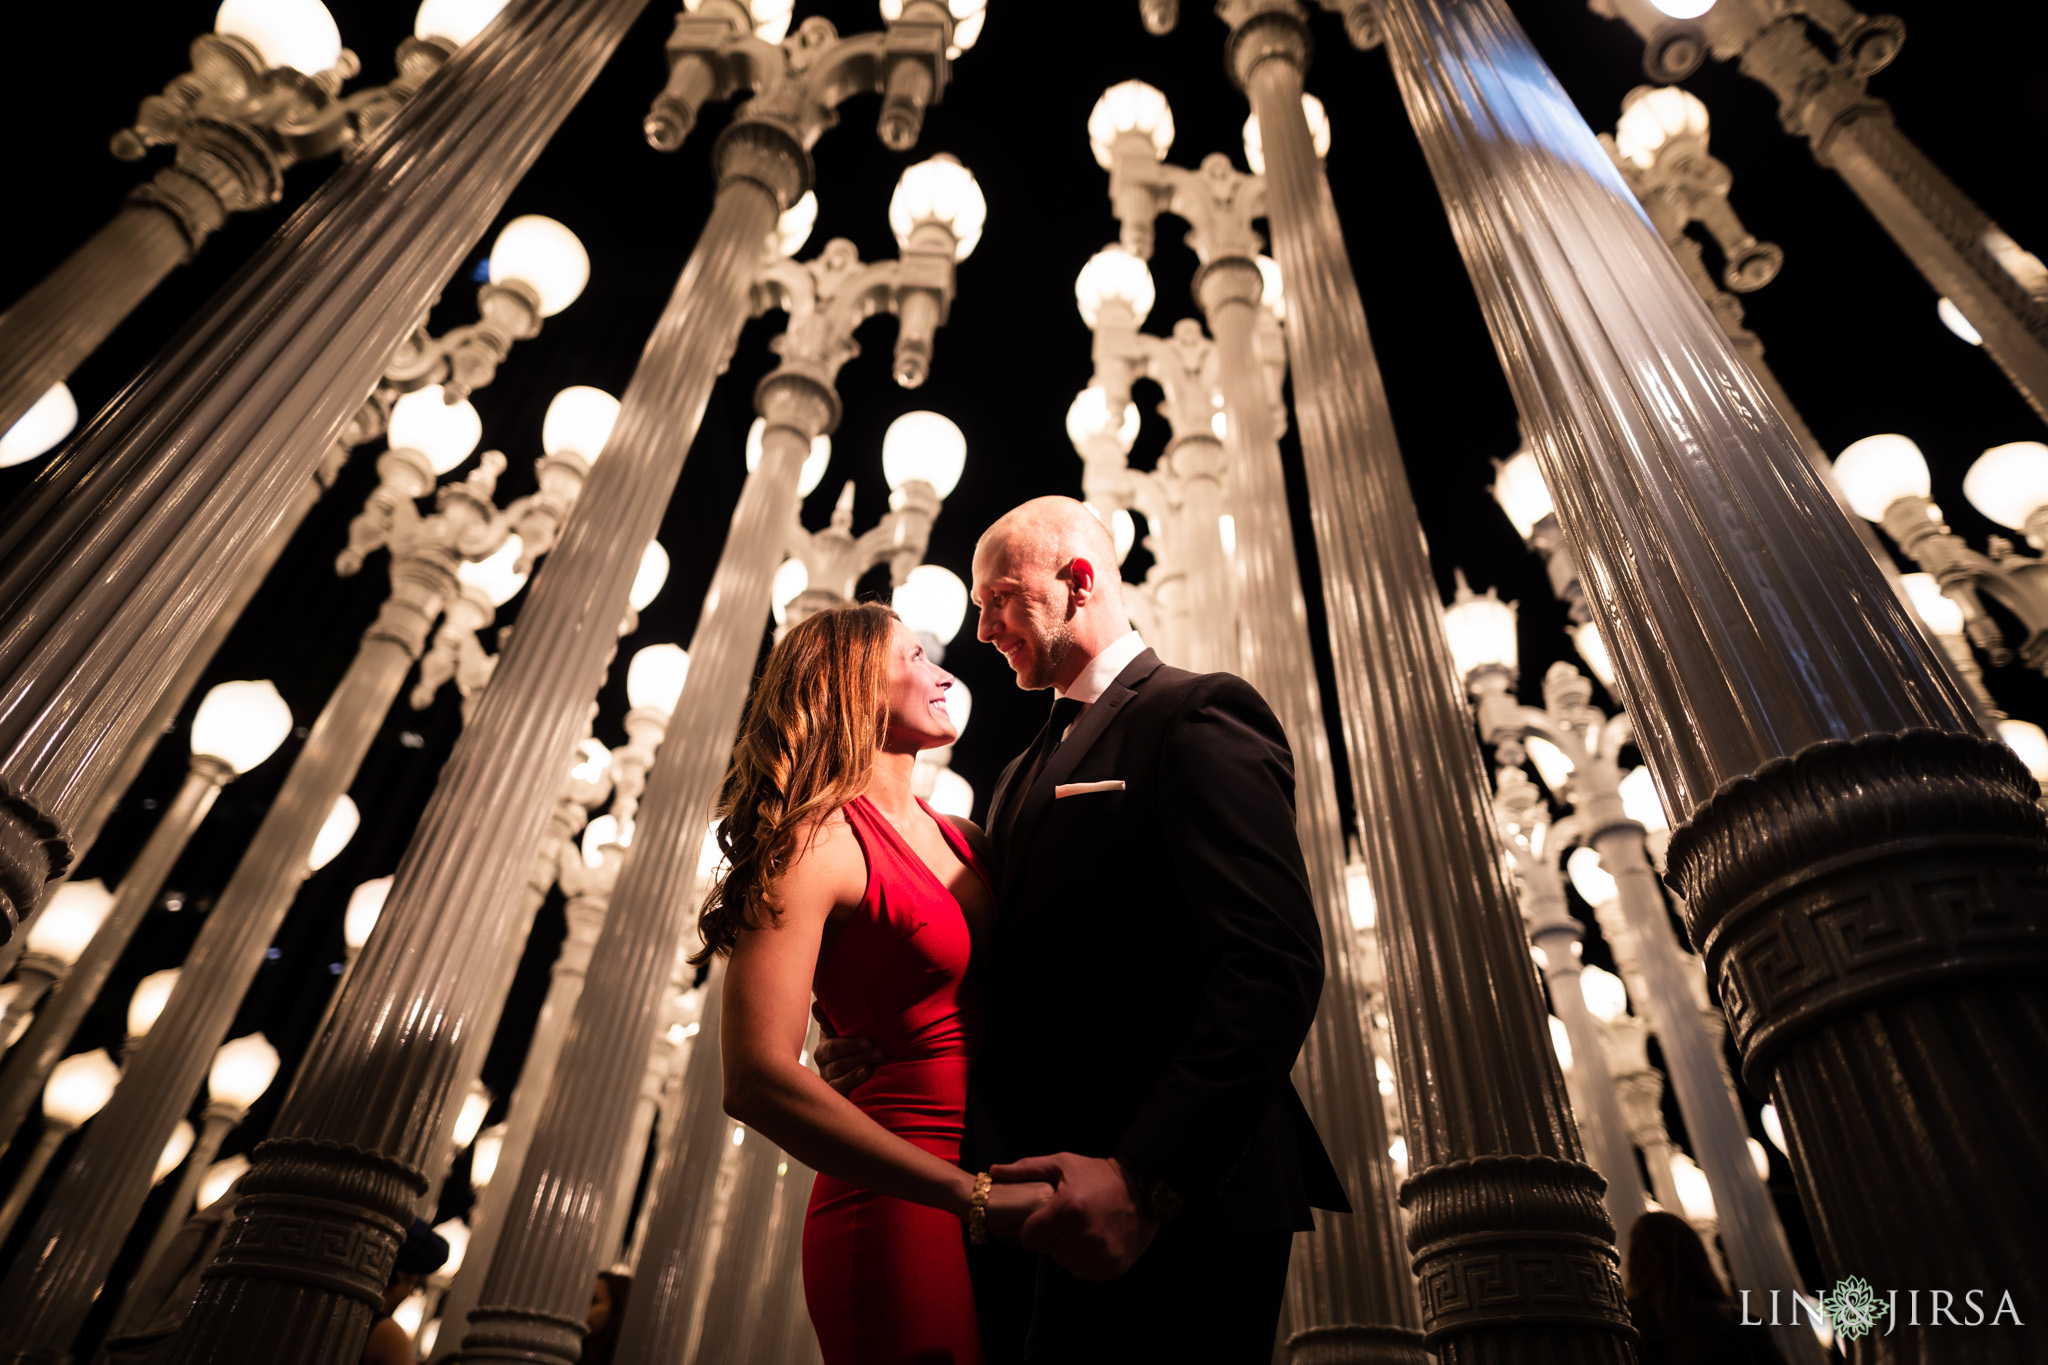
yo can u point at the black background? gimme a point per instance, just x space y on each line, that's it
1850 327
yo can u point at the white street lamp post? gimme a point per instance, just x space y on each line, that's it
1350 1281
237 726
78 1088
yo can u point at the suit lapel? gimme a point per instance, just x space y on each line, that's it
1093 724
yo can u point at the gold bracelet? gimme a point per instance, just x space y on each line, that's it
977 1209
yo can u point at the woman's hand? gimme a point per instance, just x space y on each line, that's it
1010 1205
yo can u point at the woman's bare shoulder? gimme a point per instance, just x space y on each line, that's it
829 862
970 831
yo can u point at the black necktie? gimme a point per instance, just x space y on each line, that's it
1064 713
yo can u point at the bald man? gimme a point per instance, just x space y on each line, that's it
1155 968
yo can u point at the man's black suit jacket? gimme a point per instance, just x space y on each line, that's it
1157 956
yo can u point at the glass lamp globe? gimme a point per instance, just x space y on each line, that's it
1130 107
2009 483
484 1153
1088 418
70 919
455 1232
220 1177
600 834
968 17
469 1119
48 420
655 677
1683 9
952 794
538 251
1318 134
79 1086
335 832
1561 1041
1942 614
455 22
652 574
1640 802
1877 471
579 418
365 907
814 466
1605 996
2030 742
241 724
940 191
495 576
1397 1152
1695 1195
1519 489
1481 631
411 1313
242 1070
1590 877
444 432
1944 308
1759 1159
1113 273
1553 765
1123 532
1274 295
793 226
1774 1128
789 583
923 447
1592 647
146 1006
771 25
932 602
1652 116
1358 896
299 34
175 1151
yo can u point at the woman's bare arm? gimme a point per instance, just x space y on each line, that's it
766 1013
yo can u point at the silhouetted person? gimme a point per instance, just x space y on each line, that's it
1679 1304
424 1252
607 1311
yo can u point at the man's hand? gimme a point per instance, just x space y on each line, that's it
844 1062
1010 1204
1092 1225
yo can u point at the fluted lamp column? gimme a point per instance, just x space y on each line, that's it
237 726
1796 720
1500 1186
78 1089
1350 1296
1998 288
242 1070
531 1304
108 583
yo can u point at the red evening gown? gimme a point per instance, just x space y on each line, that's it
886 1279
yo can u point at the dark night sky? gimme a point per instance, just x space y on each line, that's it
1850 328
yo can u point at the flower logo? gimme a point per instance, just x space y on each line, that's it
1852 1307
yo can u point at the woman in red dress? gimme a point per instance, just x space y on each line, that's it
842 883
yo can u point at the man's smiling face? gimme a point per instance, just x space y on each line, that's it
1025 610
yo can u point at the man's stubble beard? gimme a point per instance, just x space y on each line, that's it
1048 658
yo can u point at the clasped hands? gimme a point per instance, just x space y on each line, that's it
1082 1211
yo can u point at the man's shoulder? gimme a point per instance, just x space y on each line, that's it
1181 687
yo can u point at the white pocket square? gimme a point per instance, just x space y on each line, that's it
1083 788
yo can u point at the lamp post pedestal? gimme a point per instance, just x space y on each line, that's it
1498 1175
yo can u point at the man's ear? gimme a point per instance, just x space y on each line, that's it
1082 574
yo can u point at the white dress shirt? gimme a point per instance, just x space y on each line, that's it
1103 668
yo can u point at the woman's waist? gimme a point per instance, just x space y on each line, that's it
917 1097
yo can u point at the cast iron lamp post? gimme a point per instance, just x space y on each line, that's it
1577 749
237 726
261 97
1999 287
78 1089
1887 482
1350 1296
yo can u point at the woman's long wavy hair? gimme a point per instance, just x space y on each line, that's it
806 748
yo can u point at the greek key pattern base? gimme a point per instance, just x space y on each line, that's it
1860 871
340 1248
1504 1283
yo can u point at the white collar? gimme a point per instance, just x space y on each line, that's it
1104 667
